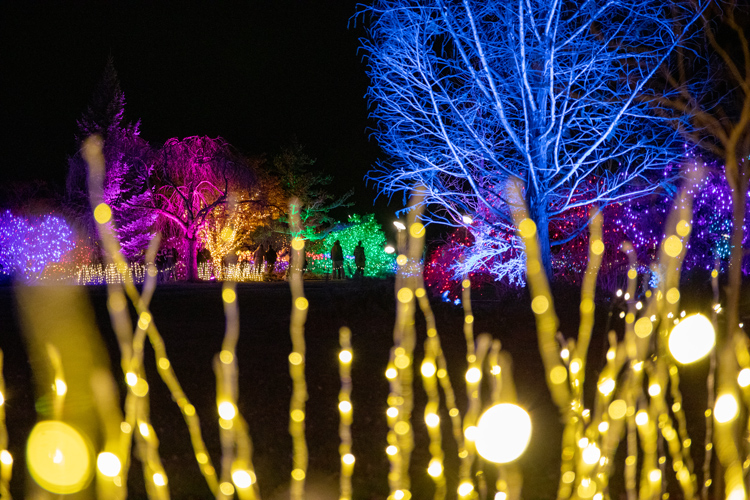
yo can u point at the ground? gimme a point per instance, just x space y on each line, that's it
190 318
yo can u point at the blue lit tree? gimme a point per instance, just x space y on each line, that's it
470 94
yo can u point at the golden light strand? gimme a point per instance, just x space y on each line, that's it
345 414
6 459
297 362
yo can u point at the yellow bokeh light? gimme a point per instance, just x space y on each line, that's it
654 390
201 457
398 495
743 378
61 388
228 295
345 356
469 319
575 366
391 450
564 353
242 478
655 475
591 454
227 410
405 295
108 464
527 228
643 327
131 379
144 320
503 433
466 283
465 488
402 428
391 373
692 339
298 474
428 369
6 458
140 388
392 412
226 356
558 375
568 477
540 304
298 243
102 213
164 363
159 479
672 246
641 418
470 433
143 429
606 386
401 260
301 303
401 361
58 457
587 305
683 228
617 409
597 247
417 230
673 295
345 407
473 375
296 415
725 409
632 274
295 358
435 469
421 292
227 488
603 426
432 420
189 410
348 459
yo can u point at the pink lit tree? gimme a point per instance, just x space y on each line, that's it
190 179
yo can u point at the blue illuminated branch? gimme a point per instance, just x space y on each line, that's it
470 94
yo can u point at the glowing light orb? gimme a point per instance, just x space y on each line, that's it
391 450
227 488
473 375
227 410
743 378
61 388
228 295
108 464
242 478
58 457
503 433
641 418
591 454
102 213
6 458
348 459
345 407
607 386
432 420
435 469
391 373
692 339
345 356
159 479
725 409
428 369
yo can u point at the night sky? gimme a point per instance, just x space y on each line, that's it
257 73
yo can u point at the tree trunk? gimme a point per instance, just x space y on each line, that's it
738 185
538 213
191 258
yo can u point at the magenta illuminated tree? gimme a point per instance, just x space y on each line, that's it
192 177
470 94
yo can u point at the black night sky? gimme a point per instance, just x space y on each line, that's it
257 73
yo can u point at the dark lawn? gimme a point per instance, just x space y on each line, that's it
190 318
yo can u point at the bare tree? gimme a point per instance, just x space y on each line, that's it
469 94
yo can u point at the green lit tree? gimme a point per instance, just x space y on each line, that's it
359 228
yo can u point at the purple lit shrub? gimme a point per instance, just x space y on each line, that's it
29 244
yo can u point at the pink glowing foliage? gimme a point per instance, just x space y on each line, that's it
29 244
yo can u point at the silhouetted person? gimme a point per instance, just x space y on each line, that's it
270 259
359 260
337 260
258 256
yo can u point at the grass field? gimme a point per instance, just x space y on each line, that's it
190 318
